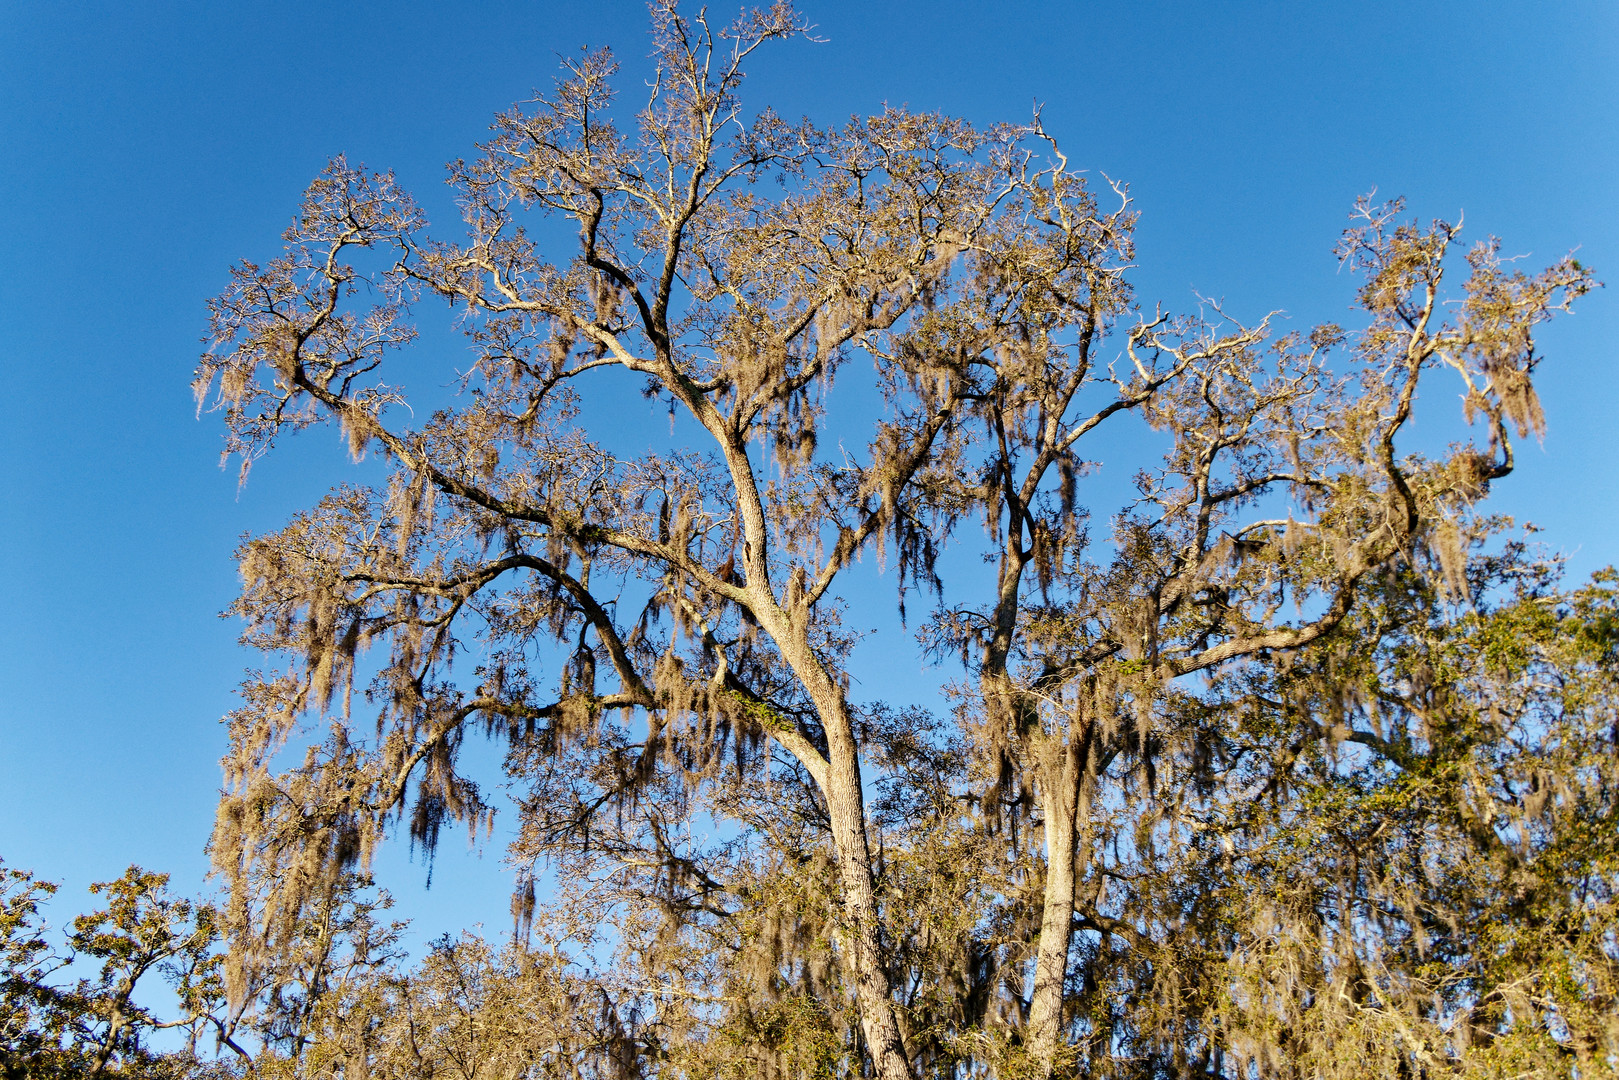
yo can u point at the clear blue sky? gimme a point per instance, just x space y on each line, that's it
145 147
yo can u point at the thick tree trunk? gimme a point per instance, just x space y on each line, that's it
839 782
847 808
1060 778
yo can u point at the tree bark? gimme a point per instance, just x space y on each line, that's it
847 809
839 779
1061 776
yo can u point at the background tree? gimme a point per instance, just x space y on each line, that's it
1407 863
96 1026
284 966
29 1028
686 604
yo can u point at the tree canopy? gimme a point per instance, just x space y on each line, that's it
1295 763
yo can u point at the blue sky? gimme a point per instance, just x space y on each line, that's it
146 147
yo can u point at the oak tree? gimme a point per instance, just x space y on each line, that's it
658 636
82 1008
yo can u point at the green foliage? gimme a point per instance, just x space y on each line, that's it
95 1026
1426 880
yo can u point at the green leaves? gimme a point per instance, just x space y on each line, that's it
95 1025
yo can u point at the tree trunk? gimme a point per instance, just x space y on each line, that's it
847 808
846 803
115 1027
1061 775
